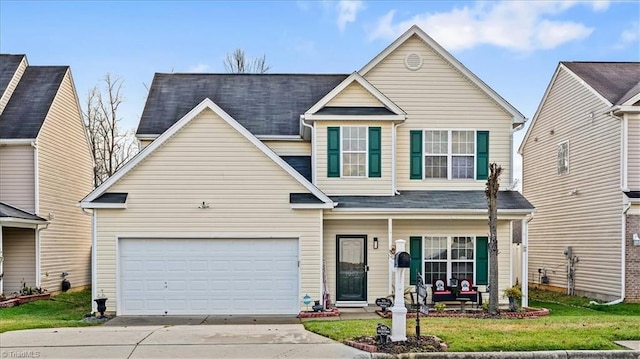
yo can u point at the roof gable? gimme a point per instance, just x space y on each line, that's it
30 102
264 104
614 81
8 66
517 117
356 78
166 135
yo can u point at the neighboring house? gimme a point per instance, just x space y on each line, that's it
45 166
253 188
582 173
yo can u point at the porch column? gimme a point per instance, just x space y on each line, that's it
390 261
525 263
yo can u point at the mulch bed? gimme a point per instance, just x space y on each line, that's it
427 343
328 313
526 313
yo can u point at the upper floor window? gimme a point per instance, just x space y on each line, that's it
354 151
563 158
449 154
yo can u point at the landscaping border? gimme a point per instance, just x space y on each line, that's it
23 299
330 313
528 313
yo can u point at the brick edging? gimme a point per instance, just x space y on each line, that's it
332 313
538 312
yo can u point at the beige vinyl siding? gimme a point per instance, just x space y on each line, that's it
353 186
208 160
4 97
633 155
65 177
17 183
589 221
378 259
19 252
290 148
438 97
354 95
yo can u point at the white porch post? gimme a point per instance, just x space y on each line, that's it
399 311
525 263
390 262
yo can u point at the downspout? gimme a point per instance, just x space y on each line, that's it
313 149
94 255
36 210
394 188
525 260
38 264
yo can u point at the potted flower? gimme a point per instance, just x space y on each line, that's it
514 293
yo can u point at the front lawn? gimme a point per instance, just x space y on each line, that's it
63 310
571 326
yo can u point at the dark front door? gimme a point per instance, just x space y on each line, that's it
352 268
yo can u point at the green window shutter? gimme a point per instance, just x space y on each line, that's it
333 152
482 260
482 155
415 250
415 171
375 150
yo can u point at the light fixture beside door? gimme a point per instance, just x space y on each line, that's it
375 242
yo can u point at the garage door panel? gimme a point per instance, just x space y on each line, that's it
208 276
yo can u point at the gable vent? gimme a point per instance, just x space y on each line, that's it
413 61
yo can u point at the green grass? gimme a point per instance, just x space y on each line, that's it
63 310
572 325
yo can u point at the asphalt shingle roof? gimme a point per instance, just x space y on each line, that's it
112 197
265 104
613 80
302 164
8 66
30 102
438 200
9 211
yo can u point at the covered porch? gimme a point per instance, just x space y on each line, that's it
19 248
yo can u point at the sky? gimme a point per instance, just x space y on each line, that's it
513 46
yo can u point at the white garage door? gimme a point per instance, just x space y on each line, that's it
208 276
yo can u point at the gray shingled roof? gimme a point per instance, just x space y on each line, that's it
9 211
633 194
438 200
265 104
8 66
612 80
30 102
302 164
111 197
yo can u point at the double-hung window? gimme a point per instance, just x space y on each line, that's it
354 151
449 154
447 257
563 158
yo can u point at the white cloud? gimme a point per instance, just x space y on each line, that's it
199 68
628 36
348 11
600 5
515 25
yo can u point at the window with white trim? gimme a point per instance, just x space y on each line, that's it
563 158
354 151
449 154
448 257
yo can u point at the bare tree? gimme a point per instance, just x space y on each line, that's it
110 146
237 62
491 192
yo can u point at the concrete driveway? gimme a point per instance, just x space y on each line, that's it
177 341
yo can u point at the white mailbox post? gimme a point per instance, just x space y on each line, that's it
399 311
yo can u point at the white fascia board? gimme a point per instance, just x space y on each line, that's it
279 137
617 110
16 141
85 204
635 98
311 206
166 135
391 118
517 117
146 137
21 223
367 86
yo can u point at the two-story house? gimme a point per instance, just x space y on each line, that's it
45 166
254 190
581 159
